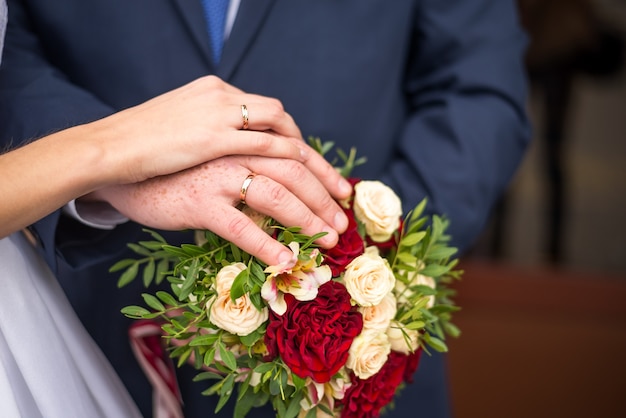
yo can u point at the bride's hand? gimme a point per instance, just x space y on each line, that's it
198 122
206 196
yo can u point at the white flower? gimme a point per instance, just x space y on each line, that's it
368 279
378 317
368 353
324 394
404 293
238 317
405 342
226 276
297 277
378 207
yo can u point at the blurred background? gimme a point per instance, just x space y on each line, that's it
544 292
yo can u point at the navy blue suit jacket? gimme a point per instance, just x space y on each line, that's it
431 91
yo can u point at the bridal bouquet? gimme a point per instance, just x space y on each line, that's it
332 333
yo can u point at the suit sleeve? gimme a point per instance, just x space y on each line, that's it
467 129
37 98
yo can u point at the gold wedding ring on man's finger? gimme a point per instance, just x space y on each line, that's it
244 116
244 188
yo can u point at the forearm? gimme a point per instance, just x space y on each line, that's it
44 175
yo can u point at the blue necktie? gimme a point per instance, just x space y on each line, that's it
215 12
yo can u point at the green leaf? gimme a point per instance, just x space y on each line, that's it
207 376
151 245
440 252
257 273
434 270
229 384
153 302
250 339
275 388
154 235
264 368
129 275
244 404
287 237
193 250
294 406
225 391
175 251
435 343
227 357
235 252
209 357
407 258
184 356
190 280
412 239
122 264
206 339
148 273
135 311
162 268
167 298
139 249
298 382
237 289
416 325
418 210
451 329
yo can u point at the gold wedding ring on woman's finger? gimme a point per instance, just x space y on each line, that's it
244 188
244 115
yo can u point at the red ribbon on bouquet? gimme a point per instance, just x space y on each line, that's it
146 340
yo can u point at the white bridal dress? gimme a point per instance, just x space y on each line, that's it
49 365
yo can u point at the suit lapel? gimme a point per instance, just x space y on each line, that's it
192 14
250 18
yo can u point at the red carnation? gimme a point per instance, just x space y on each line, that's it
365 398
349 247
313 337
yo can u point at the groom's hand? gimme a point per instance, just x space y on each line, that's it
206 196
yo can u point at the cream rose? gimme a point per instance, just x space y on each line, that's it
378 207
378 317
403 342
226 276
368 353
240 317
368 279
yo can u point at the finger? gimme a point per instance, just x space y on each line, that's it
262 144
328 175
245 234
307 186
314 213
262 116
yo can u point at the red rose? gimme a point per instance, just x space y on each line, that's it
313 337
365 398
349 247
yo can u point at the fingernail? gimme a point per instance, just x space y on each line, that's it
345 187
304 154
341 221
285 257
330 238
